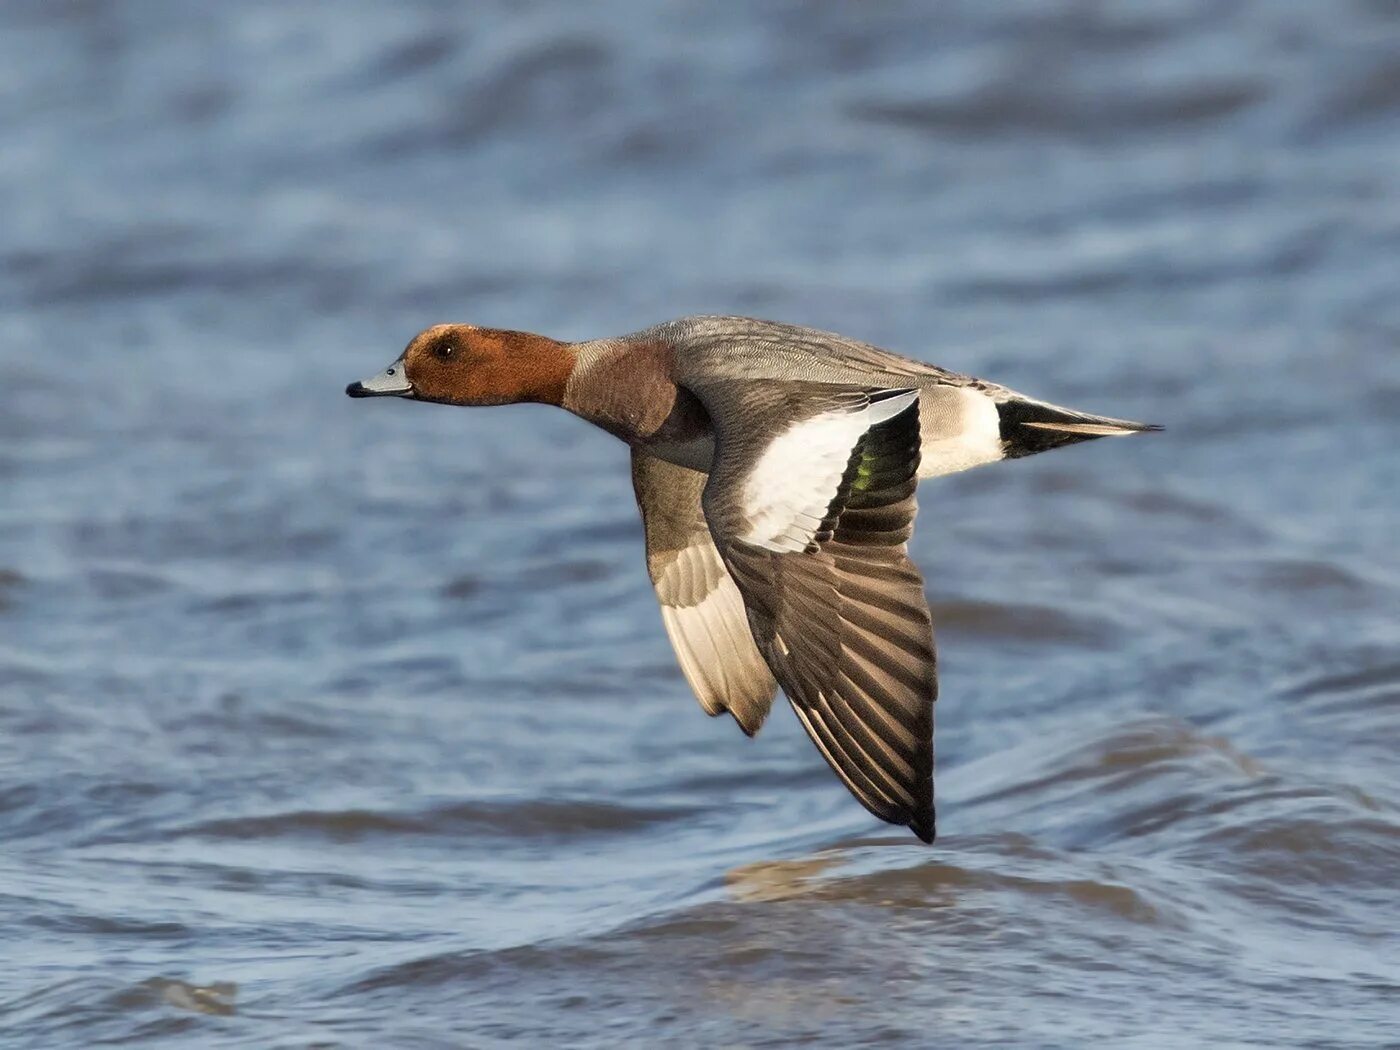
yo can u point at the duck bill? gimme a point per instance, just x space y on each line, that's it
392 382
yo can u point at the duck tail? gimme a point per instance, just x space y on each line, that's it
1029 426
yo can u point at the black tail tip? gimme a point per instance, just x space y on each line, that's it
1028 427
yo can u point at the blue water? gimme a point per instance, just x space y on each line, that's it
334 723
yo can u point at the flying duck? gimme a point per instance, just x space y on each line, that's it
775 467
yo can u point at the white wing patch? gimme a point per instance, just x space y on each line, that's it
787 493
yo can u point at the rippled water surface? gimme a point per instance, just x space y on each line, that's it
333 723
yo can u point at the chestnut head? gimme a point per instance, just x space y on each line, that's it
460 364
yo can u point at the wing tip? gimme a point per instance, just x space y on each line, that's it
748 725
923 826
750 718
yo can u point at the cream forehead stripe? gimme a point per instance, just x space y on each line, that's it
789 489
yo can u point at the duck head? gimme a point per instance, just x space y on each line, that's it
460 364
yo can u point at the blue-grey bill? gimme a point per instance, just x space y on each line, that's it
392 382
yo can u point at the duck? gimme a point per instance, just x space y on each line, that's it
776 469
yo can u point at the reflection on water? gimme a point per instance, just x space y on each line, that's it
361 717
777 880
212 999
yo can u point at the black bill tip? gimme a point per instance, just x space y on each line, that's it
357 389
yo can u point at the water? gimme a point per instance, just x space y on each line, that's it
334 723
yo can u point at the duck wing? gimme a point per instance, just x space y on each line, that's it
700 605
811 505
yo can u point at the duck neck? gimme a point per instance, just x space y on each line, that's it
541 367
625 387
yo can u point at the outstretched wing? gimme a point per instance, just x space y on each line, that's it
811 504
700 606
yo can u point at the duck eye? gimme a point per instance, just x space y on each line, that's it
446 351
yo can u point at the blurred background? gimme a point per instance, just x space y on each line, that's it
332 723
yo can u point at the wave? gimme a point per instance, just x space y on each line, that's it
530 818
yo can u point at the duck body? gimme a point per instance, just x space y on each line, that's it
775 467
638 387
